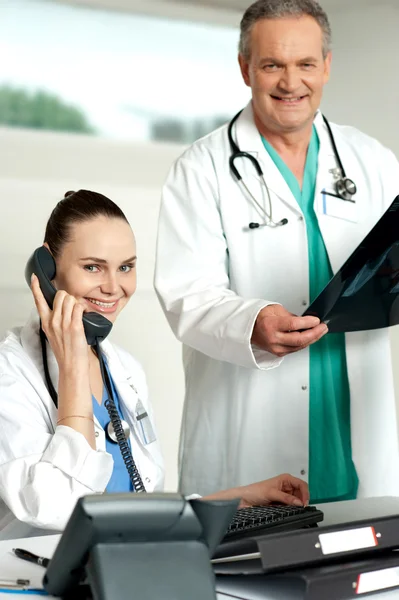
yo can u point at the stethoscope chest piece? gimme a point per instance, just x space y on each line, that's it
345 188
110 431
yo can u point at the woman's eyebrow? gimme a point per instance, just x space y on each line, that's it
94 259
130 259
103 261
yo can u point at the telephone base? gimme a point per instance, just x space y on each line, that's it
167 570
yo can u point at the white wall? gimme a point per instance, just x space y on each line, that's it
364 88
36 170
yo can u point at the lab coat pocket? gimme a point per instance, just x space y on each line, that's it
144 425
337 208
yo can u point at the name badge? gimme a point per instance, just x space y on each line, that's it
145 428
337 208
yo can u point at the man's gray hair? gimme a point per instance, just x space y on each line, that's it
279 9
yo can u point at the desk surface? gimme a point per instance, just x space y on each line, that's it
14 568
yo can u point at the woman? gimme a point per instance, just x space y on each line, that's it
50 457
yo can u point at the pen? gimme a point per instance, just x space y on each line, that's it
14 583
29 556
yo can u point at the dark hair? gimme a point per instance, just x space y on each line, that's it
279 9
77 207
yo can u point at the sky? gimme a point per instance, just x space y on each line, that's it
121 69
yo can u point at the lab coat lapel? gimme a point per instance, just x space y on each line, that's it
336 217
144 453
326 163
249 140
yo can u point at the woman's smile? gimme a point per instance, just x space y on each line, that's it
103 306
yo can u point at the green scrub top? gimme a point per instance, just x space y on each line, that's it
332 474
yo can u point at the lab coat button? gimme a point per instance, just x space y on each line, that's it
304 387
96 434
300 218
304 303
303 472
148 480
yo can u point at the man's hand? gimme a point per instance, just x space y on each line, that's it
284 489
280 332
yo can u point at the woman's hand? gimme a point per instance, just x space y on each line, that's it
63 327
284 489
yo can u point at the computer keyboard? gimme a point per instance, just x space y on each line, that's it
268 519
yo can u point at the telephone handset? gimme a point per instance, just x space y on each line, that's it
42 264
96 328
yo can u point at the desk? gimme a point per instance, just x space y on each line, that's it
12 567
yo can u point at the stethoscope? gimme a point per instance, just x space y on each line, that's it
344 187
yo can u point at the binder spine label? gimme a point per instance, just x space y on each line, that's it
377 580
348 540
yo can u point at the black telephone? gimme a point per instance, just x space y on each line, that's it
96 328
42 264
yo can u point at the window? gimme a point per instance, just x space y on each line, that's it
115 75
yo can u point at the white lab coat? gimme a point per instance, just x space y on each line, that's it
245 420
45 468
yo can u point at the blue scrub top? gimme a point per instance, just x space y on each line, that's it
120 480
332 474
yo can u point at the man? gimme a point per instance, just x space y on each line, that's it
267 391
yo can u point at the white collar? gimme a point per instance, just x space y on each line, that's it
249 138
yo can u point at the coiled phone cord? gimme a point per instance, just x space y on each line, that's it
135 477
124 448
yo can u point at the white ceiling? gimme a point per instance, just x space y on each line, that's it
241 5
229 5
226 12
191 10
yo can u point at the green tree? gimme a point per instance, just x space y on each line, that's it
40 110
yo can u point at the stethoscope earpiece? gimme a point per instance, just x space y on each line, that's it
278 224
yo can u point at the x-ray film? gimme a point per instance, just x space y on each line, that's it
364 294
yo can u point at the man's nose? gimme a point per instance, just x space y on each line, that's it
290 79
